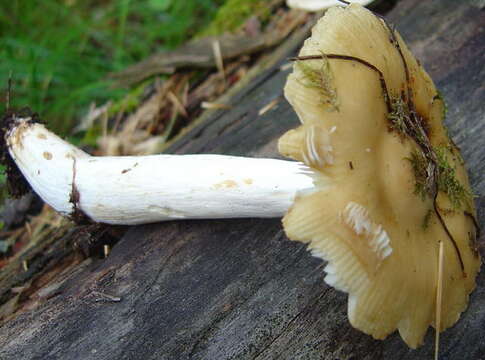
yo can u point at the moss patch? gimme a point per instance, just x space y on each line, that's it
447 181
419 164
320 79
233 14
399 116
432 165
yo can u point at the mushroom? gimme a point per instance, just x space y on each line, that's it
377 190
393 185
317 5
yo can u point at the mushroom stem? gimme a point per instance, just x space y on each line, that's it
143 189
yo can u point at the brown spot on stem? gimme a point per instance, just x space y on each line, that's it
125 171
47 155
42 136
248 181
226 184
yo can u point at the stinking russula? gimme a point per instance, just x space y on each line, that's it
377 185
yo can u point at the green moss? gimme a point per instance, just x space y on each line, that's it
399 116
419 164
233 14
432 166
322 80
447 181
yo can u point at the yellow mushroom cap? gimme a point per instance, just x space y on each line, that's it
378 216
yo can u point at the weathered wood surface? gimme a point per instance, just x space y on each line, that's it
239 289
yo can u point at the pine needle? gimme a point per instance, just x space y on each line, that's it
439 294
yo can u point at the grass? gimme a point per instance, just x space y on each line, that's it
233 14
60 51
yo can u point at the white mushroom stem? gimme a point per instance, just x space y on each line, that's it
143 189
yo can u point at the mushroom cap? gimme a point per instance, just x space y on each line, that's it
374 216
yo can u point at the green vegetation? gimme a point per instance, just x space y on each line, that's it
129 102
447 181
426 178
419 164
233 14
399 116
321 80
60 51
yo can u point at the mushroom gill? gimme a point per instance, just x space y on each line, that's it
393 185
